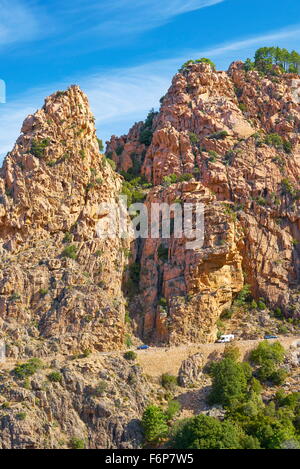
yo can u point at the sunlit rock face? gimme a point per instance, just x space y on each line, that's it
236 134
60 284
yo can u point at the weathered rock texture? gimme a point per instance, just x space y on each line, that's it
60 284
62 287
96 404
215 126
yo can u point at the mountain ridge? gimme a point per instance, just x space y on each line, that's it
228 140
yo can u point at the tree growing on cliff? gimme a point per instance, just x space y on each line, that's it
154 423
269 357
187 64
229 382
266 57
146 131
204 432
267 351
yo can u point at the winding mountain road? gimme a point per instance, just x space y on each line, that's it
158 360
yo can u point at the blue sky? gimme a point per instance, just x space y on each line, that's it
123 53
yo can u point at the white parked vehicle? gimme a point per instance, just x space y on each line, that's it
225 338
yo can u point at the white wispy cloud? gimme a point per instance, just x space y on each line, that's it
292 32
18 21
140 15
120 97
115 18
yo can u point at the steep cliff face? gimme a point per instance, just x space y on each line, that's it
96 403
197 284
236 134
60 284
229 141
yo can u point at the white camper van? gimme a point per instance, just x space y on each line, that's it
226 338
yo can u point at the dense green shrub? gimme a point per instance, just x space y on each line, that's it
266 370
119 150
271 432
282 329
194 139
268 351
146 136
163 302
168 381
275 140
278 376
187 64
170 179
128 340
112 163
244 297
261 305
287 188
204 432
278 313
173 409
174 178
278 142
255 386
154 423
100 144
43 291
55 377
291 400
269 356
232 351
146 132
38 147
130 355
287 146
77 443
229 382
249 423
134 191
70 252
219 135
29 368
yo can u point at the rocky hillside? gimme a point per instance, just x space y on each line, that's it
60 284
86 402
229 140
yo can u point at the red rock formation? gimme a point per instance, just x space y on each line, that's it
58 280
216 126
